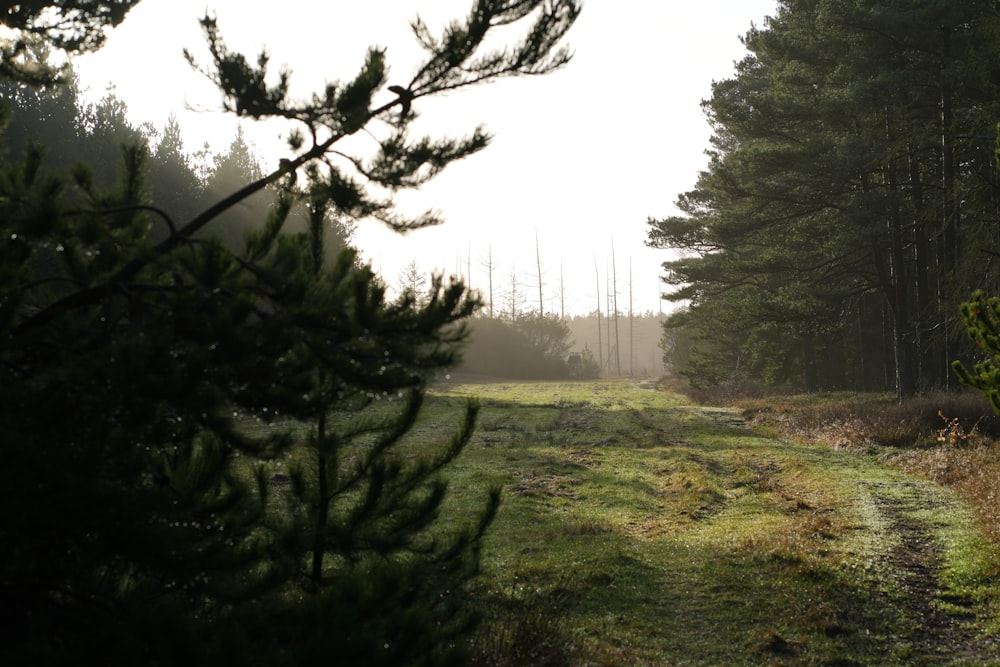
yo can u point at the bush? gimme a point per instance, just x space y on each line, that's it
516 351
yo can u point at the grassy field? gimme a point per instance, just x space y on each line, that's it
638 529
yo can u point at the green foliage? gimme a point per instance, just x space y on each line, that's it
50 111
459 58
587 368
546 334
73 26
676 345
846 162
119 417
208 443
981 317
533 347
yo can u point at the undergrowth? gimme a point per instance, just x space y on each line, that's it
952 439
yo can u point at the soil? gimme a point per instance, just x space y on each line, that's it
939 632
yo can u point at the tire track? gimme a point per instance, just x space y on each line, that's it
940 626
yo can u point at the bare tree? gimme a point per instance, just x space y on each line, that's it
562 291
614 296
631 324
514 298
659 299
468 265
538 276
600 343
490 265
607 310
413 281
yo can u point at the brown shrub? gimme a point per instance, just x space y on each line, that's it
953 439
867 421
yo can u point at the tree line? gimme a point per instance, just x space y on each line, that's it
180 181
515 342
515 337
849 204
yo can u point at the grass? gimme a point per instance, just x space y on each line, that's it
639 529
952 439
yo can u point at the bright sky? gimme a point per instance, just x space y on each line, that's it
580 158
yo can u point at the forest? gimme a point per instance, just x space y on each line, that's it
228 440
849 206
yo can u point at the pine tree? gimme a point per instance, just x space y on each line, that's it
174 184
71 26
836 193
383 587
206 445
981 317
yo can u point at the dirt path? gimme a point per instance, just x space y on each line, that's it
942 625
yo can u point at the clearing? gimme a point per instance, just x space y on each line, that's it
637 529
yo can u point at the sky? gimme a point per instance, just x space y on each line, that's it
580 159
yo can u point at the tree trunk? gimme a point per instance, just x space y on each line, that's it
928 371
809 376
600 343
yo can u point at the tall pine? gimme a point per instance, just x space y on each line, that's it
847 180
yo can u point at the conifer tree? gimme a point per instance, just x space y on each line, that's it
175 185
981 317
144 520
840 178
71 26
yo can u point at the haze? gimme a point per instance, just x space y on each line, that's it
580 158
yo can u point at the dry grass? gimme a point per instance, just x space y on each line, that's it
973 471
953 439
